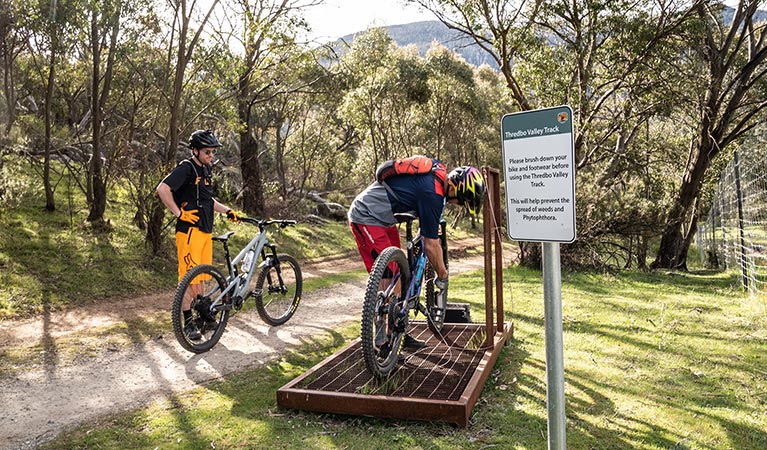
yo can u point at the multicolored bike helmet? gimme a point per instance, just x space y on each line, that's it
469 187
203 139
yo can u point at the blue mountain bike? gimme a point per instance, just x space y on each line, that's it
393 291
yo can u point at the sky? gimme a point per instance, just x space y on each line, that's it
336 18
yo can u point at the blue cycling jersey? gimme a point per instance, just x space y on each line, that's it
419 194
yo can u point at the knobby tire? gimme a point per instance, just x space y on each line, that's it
276 303
436 313
375 315
208 284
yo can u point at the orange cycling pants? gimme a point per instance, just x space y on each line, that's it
194 247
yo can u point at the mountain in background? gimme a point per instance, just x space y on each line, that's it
422 34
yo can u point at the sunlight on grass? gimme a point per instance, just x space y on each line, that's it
652 361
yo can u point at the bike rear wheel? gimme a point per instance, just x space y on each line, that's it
381 337
202 284
278 290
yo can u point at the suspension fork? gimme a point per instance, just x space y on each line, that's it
273 261
443 239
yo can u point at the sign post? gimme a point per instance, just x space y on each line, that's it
539 170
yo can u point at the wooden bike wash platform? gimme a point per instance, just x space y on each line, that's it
439 382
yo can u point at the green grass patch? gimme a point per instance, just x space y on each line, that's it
50 260
652 361
55 260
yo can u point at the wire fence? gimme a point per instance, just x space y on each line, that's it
734 236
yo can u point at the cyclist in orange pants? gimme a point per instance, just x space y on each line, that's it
188 193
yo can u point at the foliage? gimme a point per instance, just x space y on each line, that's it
55 260
46 256
297 121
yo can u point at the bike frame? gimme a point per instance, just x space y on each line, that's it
417 263
238 284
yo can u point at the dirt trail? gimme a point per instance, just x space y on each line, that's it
38 403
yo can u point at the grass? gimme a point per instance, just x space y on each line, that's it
652 361
383 387
55 260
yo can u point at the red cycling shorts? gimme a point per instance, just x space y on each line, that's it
372 240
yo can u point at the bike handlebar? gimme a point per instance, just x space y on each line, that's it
266 222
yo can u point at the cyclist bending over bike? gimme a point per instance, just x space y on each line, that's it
188 193
371 215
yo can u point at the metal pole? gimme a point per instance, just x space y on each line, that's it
555 366
498 247
722 219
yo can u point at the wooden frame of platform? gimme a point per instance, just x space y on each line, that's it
293 396
453 368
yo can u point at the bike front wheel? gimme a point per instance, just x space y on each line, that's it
199 287
381 334
435 307
278 290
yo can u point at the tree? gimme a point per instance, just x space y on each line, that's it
500 28
730 67
619 53
324 146
609 45
104 14
268 28
184 50
53 32
452 107
387 85
13 40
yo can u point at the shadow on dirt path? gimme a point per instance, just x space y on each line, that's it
42 400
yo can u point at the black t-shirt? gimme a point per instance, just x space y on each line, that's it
192 188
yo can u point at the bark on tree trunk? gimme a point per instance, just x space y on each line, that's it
154 226
252 191
642 253
97 189
674 243
50 203
9 89
530 255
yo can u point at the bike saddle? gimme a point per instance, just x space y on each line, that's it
224 236
405 217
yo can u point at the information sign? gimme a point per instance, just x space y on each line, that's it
538 160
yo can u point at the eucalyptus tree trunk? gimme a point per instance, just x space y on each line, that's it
50 203
97 196
100 92
735 60
250 166
184 52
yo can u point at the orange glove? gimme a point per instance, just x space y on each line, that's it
189 216
232 215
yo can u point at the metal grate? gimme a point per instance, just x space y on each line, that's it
440 381
441 370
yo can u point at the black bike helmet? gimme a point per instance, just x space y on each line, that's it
203 139
469 187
